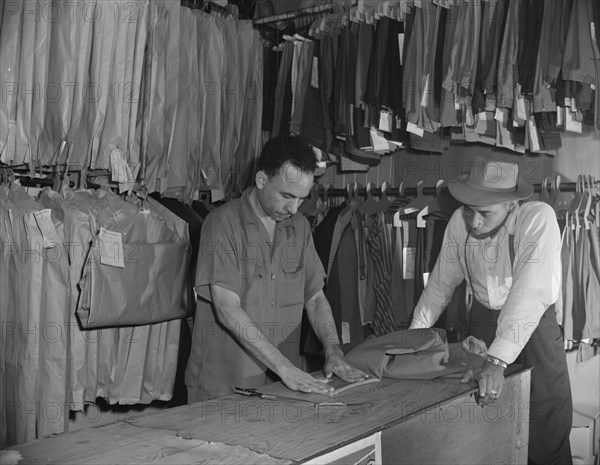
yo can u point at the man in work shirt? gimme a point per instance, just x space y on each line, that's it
509 253
257 270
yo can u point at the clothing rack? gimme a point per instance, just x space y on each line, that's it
206 6
412 191
294 14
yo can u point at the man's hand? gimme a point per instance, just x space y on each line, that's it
490 378
298 380
335 363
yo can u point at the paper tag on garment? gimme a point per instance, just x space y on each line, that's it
345 332
408 262
425 278
314 77
401 47
216 195
500 115
385 121
379 143
533 135
33 192
521 112
111 248
43 218
560 116
571 124
119 169
413 128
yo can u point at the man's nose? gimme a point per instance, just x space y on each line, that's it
293 205
476 221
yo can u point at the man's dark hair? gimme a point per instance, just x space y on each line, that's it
283 149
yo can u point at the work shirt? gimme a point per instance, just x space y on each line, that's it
521 294
272 280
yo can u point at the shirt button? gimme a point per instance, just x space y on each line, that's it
272 303
273 276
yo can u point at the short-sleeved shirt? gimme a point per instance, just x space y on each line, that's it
273 281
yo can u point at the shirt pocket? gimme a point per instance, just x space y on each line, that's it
498 292
292 284
252 286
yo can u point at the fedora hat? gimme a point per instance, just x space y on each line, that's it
489 182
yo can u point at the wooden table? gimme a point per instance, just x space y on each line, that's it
427 422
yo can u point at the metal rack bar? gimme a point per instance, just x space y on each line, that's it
294 14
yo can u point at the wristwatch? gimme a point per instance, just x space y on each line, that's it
495 361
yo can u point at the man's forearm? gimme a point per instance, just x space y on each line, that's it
321 319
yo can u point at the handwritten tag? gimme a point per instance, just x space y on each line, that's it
110 244
43 218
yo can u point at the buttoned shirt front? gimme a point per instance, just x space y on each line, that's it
521 292
273 280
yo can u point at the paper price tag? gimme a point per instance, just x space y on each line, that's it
500 115
110 244
216 195
401 47
425 278
413 128
345 332
314 77
43 218
119 169
385 121
521 112
408 262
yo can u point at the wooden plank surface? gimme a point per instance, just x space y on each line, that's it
251 430
296 431
124 443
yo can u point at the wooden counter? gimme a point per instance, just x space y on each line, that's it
435 421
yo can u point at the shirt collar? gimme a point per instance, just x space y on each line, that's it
249 216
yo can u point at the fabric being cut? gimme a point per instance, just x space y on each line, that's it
405 354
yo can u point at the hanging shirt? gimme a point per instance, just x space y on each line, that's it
522 294
273 279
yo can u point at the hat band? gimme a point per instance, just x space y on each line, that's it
506 190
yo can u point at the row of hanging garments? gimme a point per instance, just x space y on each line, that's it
508 73
94 288
149 90
378 254
577 307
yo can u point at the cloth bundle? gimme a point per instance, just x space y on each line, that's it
404 354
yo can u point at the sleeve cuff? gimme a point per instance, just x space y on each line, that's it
504 350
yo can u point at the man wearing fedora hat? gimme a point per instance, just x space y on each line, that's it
509 254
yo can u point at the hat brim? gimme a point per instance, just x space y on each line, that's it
469 194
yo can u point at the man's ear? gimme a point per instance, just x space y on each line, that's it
261 179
